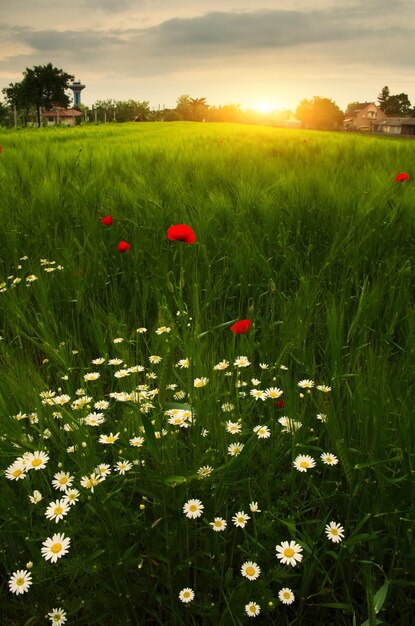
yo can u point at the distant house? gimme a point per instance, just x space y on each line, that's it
62 116
398 126
365 116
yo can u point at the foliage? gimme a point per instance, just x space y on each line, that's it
192 109
397 105
323 269
122 110
321 113
42 86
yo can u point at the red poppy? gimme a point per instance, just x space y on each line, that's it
241 327
401 178
107 220
123 246
280 404
181 232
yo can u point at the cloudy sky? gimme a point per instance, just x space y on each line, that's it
249 52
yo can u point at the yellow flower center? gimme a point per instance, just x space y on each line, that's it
241 520
218 523
334 531
63 480
186 594
19 582
252 608
304 464
56 548
193 508
17 472
57 618
110 439
329 459
58 510
289 553
36 462
250 571
286 595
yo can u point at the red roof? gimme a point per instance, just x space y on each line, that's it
62 113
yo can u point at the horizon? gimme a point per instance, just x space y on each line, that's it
267 55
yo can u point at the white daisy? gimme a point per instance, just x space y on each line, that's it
250 570
286 595
200 382
36 497
55 547
235 448
193 509
241 361
186 595
252 609
92 376
289 553
62 480
306 383
258 394
122 467
233 427
323 388
57 510
20 581
262 432
218 524
329 459
71 496
335 532
304 462
240 519
36 460
57 617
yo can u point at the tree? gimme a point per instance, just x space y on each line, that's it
398 105
4 115
321 113
383 98
42 86
192 109
394 105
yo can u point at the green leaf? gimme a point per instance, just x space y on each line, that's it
380 597
173 481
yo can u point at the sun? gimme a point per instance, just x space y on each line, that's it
264 107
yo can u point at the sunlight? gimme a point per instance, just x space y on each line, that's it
264 107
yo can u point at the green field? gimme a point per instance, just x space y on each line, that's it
306 234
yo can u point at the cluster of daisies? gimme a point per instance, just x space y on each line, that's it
74 413
26 277
288 552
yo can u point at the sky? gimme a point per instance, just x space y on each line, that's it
263 53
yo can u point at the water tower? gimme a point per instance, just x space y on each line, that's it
76 88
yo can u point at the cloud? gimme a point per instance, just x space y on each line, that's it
284 41
261 29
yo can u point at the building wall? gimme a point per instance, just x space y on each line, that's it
371 115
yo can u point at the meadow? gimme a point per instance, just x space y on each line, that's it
160 465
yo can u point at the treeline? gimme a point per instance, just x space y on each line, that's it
43 88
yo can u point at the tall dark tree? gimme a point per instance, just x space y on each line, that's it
42 86
383 98
394 105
